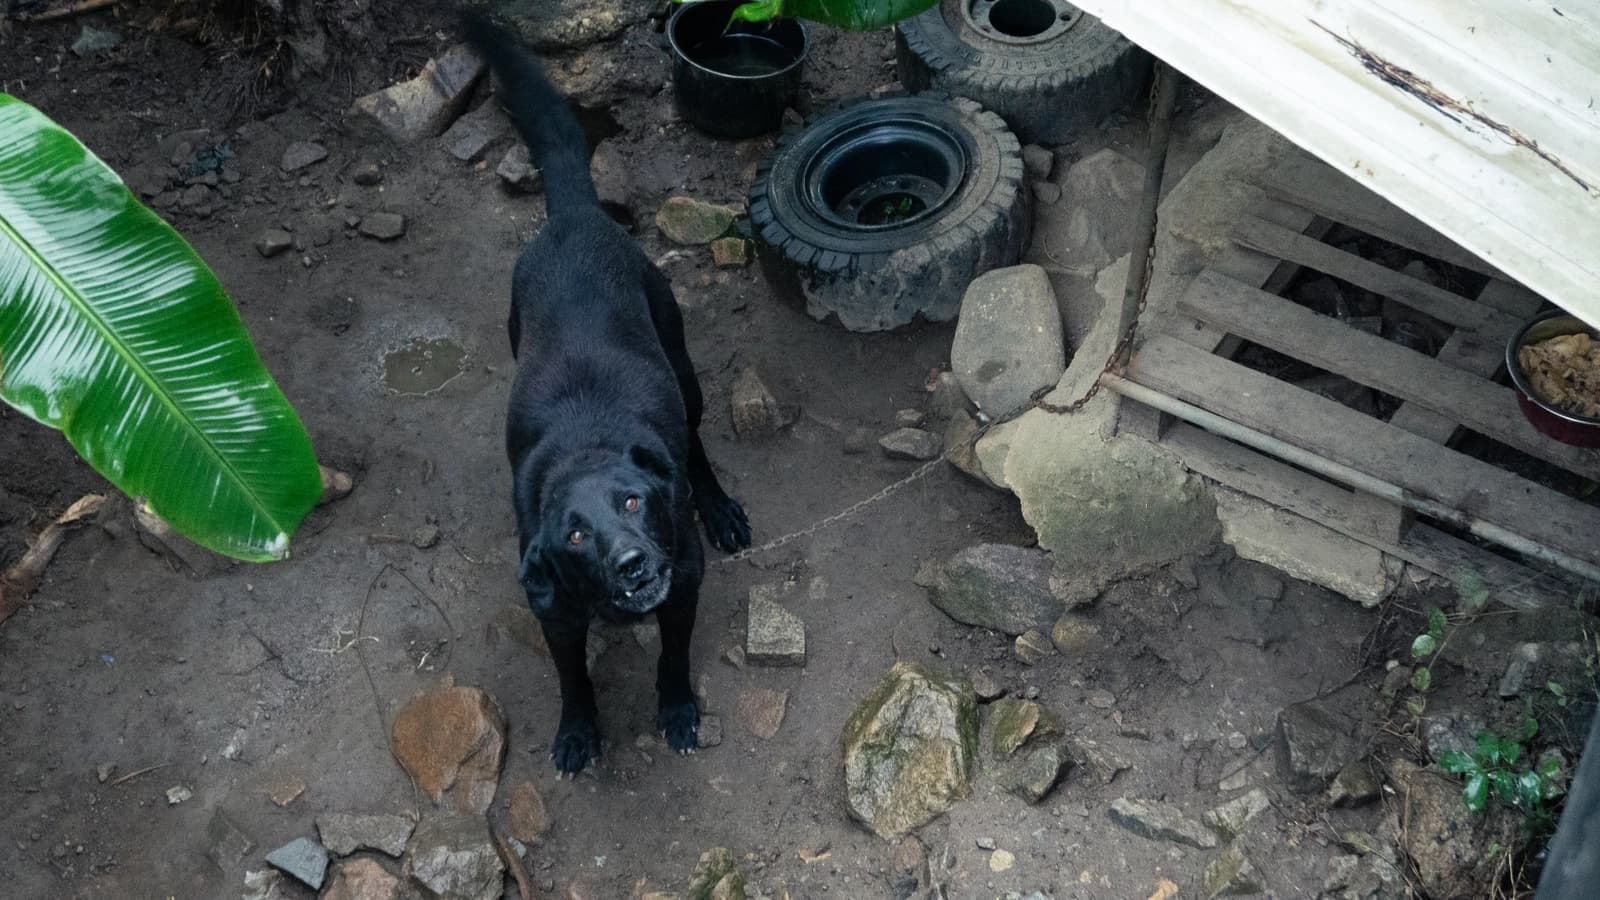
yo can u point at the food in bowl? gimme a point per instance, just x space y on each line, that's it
1564 371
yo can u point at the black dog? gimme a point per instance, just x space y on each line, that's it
603 426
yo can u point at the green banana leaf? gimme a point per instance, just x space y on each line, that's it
851 15
113 330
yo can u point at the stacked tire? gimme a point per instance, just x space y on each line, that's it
880 212
1049 69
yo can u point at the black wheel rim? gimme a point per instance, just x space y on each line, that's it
1020 21
881 175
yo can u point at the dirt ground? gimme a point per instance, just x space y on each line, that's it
233 680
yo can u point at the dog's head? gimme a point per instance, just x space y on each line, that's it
606 535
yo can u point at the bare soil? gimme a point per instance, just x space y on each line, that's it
295 668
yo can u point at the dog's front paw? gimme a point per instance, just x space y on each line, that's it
726 524
576 745
679 723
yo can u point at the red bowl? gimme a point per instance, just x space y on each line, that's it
1551 421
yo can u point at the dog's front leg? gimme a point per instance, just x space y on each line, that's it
677 717
578 737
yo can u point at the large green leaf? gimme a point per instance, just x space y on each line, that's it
113 330
851 15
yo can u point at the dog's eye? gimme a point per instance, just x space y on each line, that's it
631 504
575 537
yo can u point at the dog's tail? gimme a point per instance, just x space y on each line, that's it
555 139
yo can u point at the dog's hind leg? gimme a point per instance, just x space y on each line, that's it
724 519
678 716
578 736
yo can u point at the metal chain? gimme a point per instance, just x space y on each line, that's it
1114 362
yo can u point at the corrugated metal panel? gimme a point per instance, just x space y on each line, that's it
1478 117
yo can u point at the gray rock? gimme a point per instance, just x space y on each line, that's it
1014 721
963 454
273 241
1035 772
1160 822
425 537
472 134
1442 734
1046 192
995 586
1032 647
425 105
1230 818
1104 762
710 731
267 885
454 858
227 843
986 687
910 750
385 226
857 441
685 220
1074 635
773 635
1355 784
1091 227
1448 844
1008 340
553 25
1039 161
92 40
945 397
303 860
910 443
1524 660
195 197
300 154
909 418
345 833
756 413
367 174
1230 874
517 172
1314 743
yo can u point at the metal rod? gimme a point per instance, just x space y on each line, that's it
1155 164
1346 475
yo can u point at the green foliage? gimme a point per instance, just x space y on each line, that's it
851 15
1492 772
113 330
1426 646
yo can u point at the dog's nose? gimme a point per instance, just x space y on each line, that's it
630 564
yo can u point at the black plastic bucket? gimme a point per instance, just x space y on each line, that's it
733 81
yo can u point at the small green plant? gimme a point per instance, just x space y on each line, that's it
1492 771
1426 646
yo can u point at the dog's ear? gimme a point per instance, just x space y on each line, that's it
652 461
535 578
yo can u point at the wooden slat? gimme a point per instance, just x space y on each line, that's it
1329 344
1469 352
1304 494
1349 438
1454 309
1327 192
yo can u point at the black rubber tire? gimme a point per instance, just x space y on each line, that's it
885 278
1049 92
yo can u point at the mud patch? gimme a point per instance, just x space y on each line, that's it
422 366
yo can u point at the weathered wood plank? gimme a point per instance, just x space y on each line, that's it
1349 438
1325 342
1321 501
1469 352
1454 309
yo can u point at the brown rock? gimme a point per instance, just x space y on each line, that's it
425 105
730 253
529 820
755 411
761 710
452 739
363 879
286 790
582 889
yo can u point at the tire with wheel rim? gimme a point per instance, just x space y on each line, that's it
883 210
1048 68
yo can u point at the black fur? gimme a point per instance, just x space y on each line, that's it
604 416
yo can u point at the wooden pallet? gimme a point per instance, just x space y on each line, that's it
1237 300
